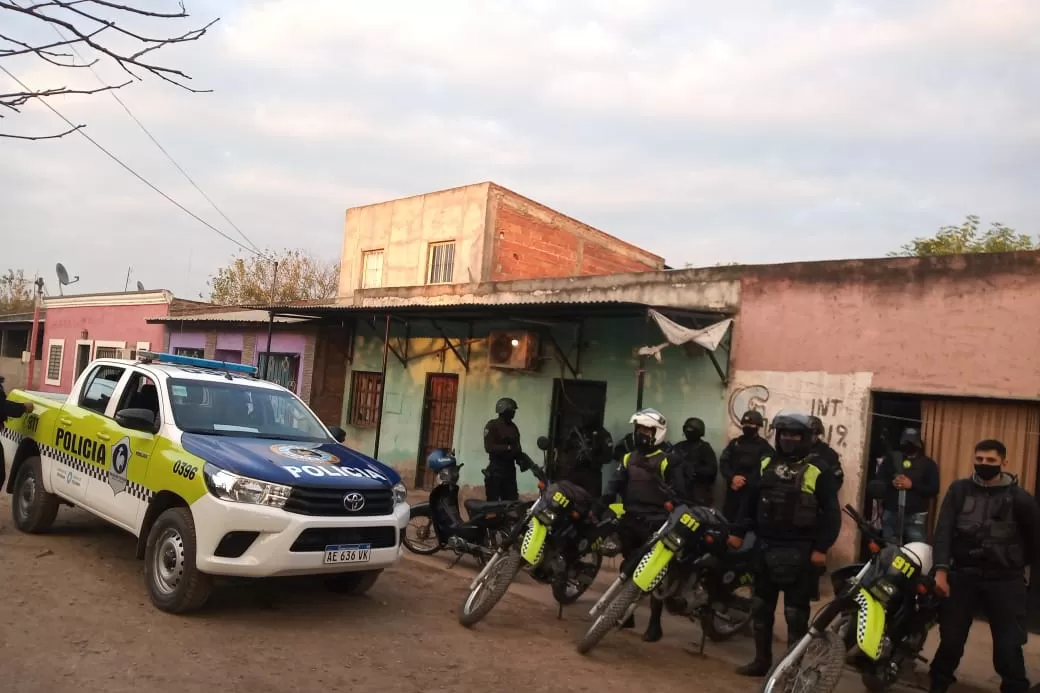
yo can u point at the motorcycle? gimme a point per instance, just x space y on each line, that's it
881 615
440 526
560 542
686 563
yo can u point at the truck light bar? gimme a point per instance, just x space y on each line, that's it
208 364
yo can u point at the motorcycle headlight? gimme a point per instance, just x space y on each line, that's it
883 590
674 541
546 516
400 493
242 489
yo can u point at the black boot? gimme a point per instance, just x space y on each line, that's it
630 622
653 628
763 660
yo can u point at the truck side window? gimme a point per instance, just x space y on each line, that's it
99 388
140 393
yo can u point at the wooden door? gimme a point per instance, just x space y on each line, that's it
438 422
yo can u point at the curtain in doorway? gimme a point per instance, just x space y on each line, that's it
951 428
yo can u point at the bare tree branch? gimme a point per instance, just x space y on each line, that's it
42 137
86 23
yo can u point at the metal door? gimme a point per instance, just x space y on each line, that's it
438 423
284 369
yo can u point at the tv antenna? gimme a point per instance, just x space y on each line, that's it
63 278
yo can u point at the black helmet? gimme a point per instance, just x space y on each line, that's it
799 424
817 425
694 426
506 405
752 417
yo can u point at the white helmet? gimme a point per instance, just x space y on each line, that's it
653 419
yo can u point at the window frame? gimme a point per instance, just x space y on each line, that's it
365 255
51 343
356 406
117 389
108 344
430 255
124 394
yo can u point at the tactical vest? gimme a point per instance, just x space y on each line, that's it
645 474
987 535
787 495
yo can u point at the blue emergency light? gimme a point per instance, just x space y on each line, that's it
208 364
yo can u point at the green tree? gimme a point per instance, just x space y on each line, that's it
967 238
248 280
16 293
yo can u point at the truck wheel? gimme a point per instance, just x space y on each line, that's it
353 583
174 583
32 508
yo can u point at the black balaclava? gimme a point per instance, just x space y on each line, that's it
693 429
644 440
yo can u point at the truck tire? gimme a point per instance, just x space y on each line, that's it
175 585
32 508
352 583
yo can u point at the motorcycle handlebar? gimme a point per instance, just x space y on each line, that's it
862 523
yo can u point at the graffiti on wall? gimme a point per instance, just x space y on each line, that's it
830 410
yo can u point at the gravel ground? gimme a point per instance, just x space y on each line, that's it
75 617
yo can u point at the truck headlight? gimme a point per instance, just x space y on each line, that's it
400 493
241 489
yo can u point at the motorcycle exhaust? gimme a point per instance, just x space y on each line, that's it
487 566
607 597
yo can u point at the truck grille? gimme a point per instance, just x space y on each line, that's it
317 538
330 502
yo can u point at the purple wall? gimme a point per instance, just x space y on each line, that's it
187 340
232 341
281 343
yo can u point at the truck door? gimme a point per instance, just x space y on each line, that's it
120 496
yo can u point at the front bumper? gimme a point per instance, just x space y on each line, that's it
288 543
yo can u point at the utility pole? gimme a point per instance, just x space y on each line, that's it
270 324
34 334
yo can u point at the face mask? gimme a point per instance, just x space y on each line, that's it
908 448
644 442
750 431
507 415
693 436
987 472
787 446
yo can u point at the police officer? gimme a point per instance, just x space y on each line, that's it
638 482
739 461
584 452
502 444
698 458
908 470
825 453
10 410
987 534
793 509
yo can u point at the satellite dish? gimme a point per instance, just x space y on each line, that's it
63 277
140 286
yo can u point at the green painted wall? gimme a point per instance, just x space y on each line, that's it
680 386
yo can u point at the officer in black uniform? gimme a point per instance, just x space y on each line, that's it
987 534
502 444
10 410
825 453
739 461
584 452
638 482
698 458
793 509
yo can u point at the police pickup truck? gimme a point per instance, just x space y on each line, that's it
216 472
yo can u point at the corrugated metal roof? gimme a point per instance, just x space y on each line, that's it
21 317
236 316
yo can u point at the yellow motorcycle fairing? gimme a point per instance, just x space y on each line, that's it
652 566
870 624
533 548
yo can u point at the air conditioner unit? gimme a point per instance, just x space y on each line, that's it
516 349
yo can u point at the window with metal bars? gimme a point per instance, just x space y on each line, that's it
365 387
441 265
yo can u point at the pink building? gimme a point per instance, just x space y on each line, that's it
88 326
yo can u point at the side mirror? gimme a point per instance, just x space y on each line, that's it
876 489
338 433
136 419
542 443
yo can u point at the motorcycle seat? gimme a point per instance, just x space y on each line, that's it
475 506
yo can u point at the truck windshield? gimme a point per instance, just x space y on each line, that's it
243 411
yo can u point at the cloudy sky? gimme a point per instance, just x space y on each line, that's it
706 132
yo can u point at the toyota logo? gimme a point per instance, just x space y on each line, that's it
353 501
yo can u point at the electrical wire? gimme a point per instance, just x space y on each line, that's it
137 175
162 149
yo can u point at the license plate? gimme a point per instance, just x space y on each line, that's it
348 553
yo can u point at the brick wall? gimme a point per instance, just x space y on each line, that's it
531 241
210 351
307 378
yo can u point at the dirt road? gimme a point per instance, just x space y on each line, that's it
74 617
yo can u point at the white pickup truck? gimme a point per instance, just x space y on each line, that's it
213 470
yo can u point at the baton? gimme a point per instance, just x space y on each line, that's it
902 513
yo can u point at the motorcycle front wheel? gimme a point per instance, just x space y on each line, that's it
419 536
817 670
491 588
610 618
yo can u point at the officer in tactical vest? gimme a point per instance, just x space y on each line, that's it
825 453
740 459
987 534
639 482
698 457
793 509
502 444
